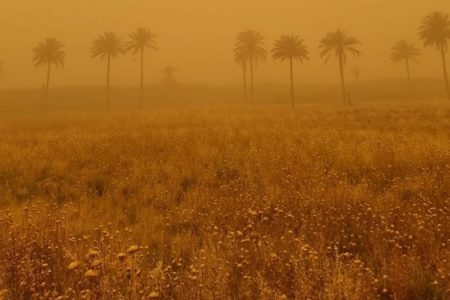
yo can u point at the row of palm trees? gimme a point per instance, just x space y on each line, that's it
106 46
109 45
249 51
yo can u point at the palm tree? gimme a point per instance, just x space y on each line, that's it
435 31
339 44
250 44
107 45
141 39
404 51
289 47
49 52
168 79
240 57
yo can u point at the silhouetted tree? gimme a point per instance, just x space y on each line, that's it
49 52
241 58
140 40
108 45
404 51
339 44
357 73
250 43
435 31
168 79
291 48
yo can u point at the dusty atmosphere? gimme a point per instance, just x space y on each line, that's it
232 150
197 36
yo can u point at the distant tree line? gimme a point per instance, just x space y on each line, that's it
106 46
249 51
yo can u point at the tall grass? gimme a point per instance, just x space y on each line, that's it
259 203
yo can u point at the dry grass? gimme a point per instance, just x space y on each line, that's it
226 204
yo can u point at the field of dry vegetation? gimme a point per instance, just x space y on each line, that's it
229 203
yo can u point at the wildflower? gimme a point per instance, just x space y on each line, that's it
133 249
91 274
93 253
73 265
96 262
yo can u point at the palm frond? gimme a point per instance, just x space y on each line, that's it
403 50
339 44
435 30
140 39
290 47
50 51
250 47
107 44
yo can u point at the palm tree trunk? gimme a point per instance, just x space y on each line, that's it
141 103
291 65
47 86
444 65
344 88
408 74
108 80
252 87
244 71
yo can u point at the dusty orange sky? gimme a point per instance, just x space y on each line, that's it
197 37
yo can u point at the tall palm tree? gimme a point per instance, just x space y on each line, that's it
339 44
251 44
107 45
289 47
49 52
404 51
435 31
240 57
140 40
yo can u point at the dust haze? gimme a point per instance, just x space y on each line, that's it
197 37
235 149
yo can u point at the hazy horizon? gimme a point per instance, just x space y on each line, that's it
197 37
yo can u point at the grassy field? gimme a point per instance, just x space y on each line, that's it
226 203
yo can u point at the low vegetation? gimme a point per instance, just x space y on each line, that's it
230 203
